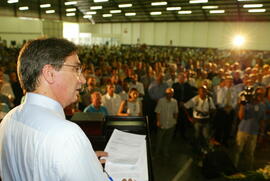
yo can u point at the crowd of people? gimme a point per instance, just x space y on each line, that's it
222 94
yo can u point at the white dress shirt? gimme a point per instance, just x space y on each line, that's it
170 82
167 109
111 103
37 143
222 97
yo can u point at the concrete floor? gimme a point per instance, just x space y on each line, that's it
182 165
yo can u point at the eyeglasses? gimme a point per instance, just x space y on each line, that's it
78 68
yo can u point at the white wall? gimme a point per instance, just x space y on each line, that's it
26 29
52 28
19 29
188 34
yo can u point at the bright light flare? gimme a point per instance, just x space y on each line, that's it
238 40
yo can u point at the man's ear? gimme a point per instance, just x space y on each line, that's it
48 73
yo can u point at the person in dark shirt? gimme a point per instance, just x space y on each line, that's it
183 91
18 92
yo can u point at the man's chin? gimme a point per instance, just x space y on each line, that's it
74 100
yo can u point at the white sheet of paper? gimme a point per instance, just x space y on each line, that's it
127 156
124 148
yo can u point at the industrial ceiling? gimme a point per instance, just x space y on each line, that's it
123 11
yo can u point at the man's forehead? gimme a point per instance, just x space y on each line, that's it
73 58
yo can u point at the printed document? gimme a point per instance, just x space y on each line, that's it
127 156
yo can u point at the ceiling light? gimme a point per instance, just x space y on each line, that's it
70 3
91 12
45 5
87 16
173 8
99 1
256 10
12 1
115 11
28 18
50 11
247 0
238 40
252 5
70 9
70 14
217 11
185 12
210 7
107 15
124 5
198 1
130 14
95 7
23 8
155 13
163 3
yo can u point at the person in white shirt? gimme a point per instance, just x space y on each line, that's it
167 112
226 101
37 143
202 106
172 79
111 100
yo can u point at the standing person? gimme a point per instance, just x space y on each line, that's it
17 90
156 91
183 91
36 140
132 106
6 88
267 118
5 103
202 106
138 85
225 116
111 100
167 112
115 80
157 88
252 116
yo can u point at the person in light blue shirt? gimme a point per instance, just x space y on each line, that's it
37 143
96 104
156 91
252 115
157 88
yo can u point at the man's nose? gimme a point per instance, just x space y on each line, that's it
82 79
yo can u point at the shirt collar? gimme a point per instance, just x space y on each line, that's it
109 97
44 101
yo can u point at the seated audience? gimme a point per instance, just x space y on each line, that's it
132 106
96 106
